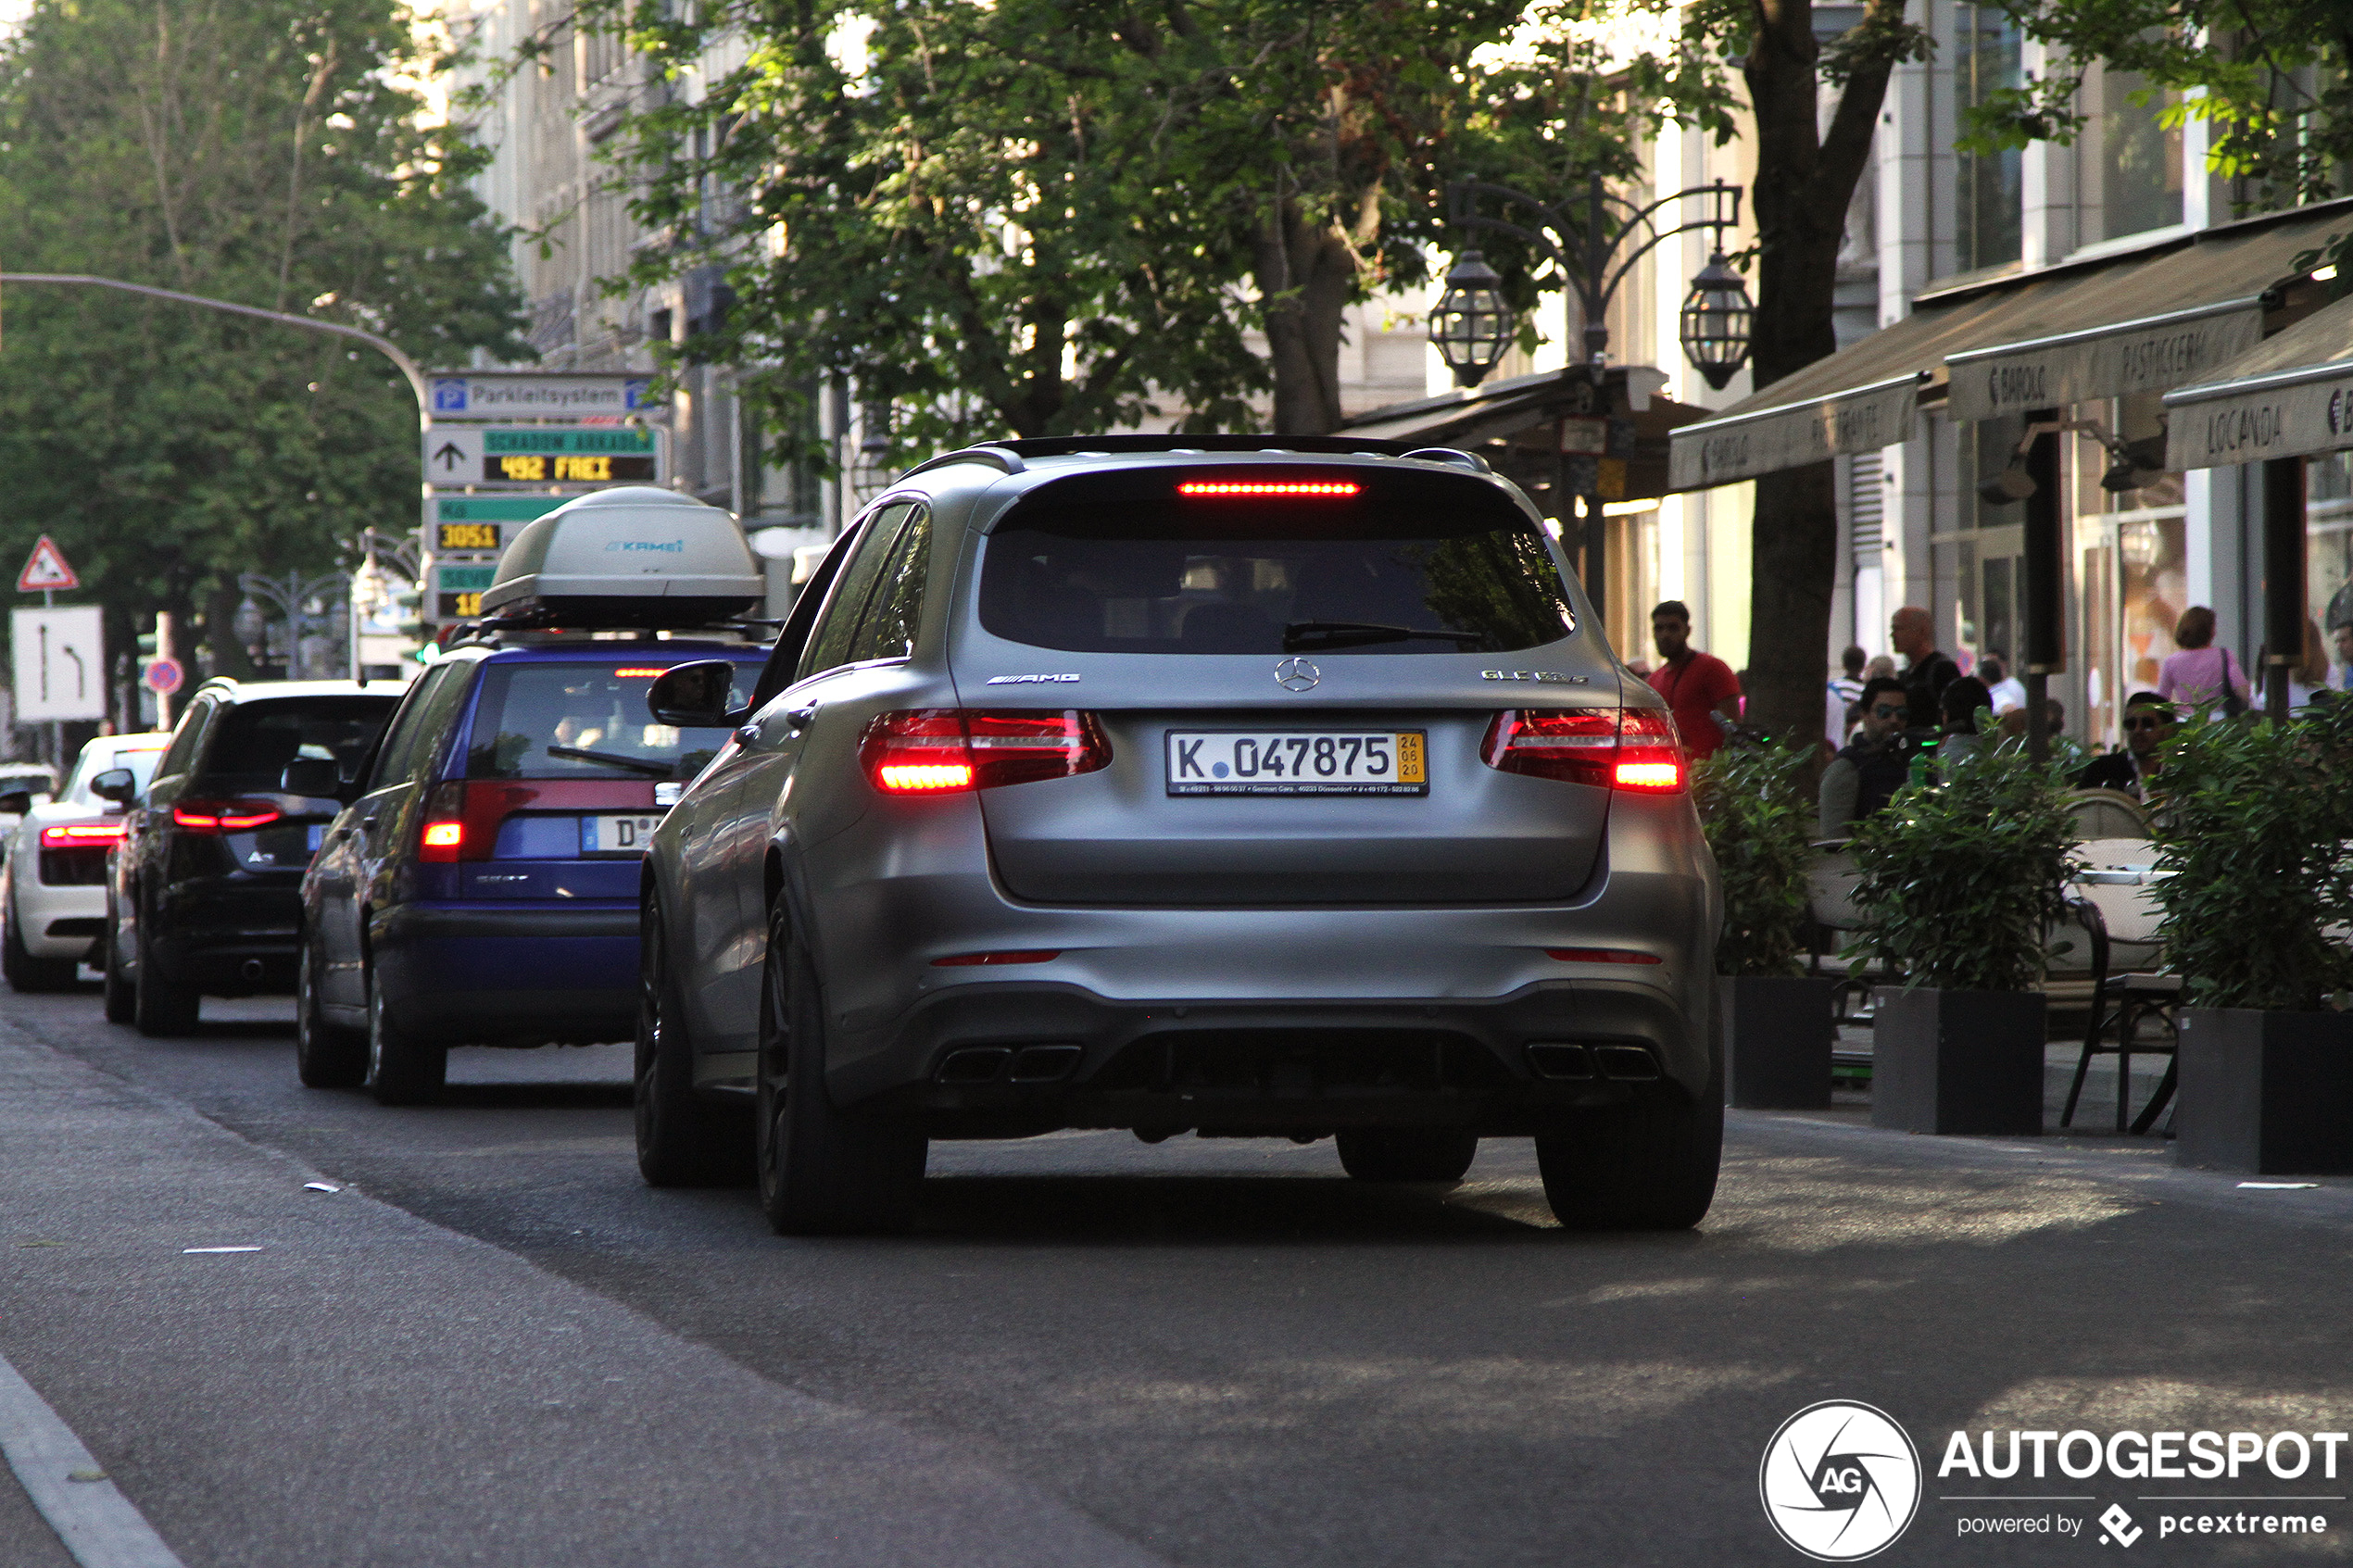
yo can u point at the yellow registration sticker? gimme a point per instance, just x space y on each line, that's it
1409 760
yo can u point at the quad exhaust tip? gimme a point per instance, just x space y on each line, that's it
1568 1061
991 1064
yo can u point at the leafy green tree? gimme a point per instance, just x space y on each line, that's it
2275 77
266 151
1753 806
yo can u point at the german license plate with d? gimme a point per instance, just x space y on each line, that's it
1298 762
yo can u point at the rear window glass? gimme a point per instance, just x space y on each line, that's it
1363 577
252 743
578 721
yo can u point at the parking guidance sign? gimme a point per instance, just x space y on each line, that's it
60 664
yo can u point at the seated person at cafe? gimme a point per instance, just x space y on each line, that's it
2149 724
1866 775
1963 703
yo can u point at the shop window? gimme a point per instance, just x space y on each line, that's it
1986 60
2129 162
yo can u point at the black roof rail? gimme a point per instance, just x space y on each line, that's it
1454 455
1000 453
1122 445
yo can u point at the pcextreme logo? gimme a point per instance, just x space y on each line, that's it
1841 1480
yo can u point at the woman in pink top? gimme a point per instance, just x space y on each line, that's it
2196 676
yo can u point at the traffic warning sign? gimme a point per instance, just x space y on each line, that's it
45 569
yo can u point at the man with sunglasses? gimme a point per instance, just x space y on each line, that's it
2149 724
1864 777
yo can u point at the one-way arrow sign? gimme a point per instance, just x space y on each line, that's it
45 569
448 459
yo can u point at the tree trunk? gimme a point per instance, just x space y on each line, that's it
1805 179
1305 275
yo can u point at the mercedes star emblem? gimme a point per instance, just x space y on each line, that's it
1296 675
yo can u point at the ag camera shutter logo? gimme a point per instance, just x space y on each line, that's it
1841 1480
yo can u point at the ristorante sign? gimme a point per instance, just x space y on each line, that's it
2154 354
2290 414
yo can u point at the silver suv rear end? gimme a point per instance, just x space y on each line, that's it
1261 793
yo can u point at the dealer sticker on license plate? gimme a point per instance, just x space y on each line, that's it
618 835
1297 762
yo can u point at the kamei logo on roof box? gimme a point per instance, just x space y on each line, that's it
667 547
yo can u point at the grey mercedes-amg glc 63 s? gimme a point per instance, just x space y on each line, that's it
1121 784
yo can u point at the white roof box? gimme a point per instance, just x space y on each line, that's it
634 556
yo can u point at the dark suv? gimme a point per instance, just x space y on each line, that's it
482 887
204 895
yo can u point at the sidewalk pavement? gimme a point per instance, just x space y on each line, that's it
370 1388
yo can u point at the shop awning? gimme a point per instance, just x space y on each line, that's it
2143 320
2289 397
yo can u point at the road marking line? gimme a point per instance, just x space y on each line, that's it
95 1520
191 1251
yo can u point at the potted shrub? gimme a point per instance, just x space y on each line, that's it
2252 839
1959 887
1777 1022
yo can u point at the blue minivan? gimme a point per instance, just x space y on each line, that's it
481 888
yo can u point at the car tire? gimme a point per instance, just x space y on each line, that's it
1405 1154
22 971
1634 1168
684 1140
160 1008
120 998
822 1170
327 1056
401 1070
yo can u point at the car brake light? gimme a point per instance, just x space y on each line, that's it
81 836
944 750
1631 748
442 837
1650 754
1335 488
223 816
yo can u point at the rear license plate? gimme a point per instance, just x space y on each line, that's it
1297 762
618 835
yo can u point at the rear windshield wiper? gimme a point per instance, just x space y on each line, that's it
636 764
1329 633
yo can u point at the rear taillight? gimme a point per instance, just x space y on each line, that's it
943 750
442 838
223 816
1632 748
81 836
1650 754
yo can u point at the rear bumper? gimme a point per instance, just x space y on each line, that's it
233 937
60 922
1007 1058
505 972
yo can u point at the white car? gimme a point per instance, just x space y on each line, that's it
30 780
53 889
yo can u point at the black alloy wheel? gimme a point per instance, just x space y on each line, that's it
402 1069
327 1056
120 997
822 1170
684 1139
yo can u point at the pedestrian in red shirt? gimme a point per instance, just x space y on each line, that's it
1700 689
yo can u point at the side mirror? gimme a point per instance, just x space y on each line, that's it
17 802
118 784
695 697
315 776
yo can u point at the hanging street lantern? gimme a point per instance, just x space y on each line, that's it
1472 326
1718 322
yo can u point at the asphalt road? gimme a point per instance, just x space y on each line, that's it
495 1345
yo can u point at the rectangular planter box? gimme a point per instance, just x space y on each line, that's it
1776 1042
1957 1061
2266 1093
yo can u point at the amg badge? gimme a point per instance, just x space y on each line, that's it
1031 679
